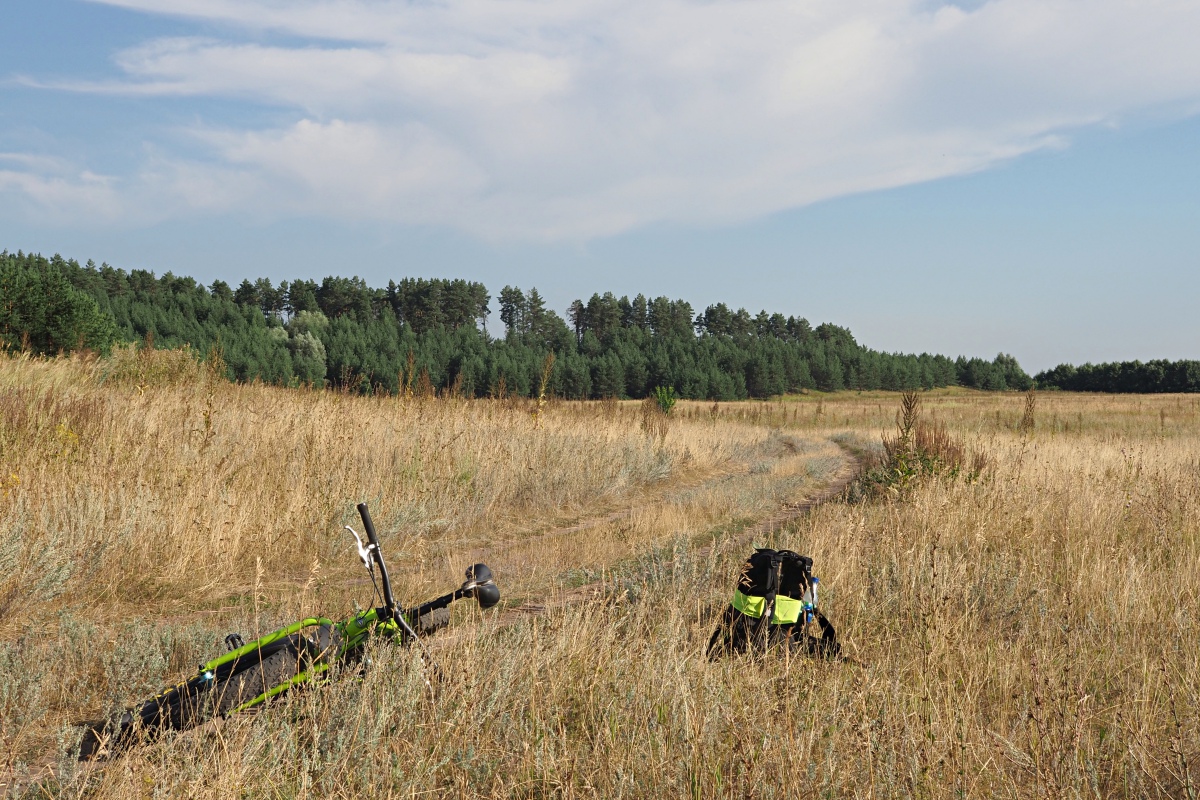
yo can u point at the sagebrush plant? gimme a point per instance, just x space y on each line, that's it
1029 635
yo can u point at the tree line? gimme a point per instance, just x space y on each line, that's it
1119 377
343 332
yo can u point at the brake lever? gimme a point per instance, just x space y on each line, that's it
363 552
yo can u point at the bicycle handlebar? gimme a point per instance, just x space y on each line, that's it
388 600
434 605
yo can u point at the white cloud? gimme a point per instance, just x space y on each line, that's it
542 119
60 190
343 168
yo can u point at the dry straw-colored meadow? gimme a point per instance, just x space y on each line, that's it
1031 631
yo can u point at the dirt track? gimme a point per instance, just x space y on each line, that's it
787 514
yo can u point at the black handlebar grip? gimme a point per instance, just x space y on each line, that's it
368 524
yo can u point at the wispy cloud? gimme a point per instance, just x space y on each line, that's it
62 191
539 119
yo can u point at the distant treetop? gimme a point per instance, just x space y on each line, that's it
343 332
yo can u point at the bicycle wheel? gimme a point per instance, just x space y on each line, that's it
433 621
245 683
178 708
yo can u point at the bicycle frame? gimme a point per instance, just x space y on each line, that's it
353 633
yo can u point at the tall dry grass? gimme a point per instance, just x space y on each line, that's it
146 507
1032 633
183 485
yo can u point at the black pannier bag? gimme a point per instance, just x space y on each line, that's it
774 604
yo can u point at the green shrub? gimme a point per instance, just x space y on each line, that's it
918 450
665 396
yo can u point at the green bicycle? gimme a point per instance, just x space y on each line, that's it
252 673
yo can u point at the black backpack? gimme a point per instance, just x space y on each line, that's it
774 603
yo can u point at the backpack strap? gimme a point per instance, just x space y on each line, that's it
763 631
827 646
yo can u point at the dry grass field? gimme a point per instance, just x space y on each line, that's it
1033 631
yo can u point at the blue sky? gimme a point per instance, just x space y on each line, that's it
1013 175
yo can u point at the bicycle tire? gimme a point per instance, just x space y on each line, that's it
243 685
433 621
178 709
187 706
